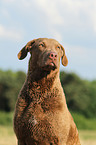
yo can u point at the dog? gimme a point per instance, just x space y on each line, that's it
41 114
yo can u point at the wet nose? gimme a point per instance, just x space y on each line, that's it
53 55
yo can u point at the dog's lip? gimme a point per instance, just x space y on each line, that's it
49 66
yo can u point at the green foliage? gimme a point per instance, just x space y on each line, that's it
6 118
84 123
80 94
10 85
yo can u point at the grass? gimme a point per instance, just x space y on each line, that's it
87 137
81 122
87 134
87 129
7 136
84 123
6 118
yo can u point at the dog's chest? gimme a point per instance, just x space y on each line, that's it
49 100
45 114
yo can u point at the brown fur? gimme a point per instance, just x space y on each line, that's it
41 114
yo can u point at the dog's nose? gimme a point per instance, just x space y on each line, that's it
53 55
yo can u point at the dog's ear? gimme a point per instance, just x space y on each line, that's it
64 57
23 52
64 60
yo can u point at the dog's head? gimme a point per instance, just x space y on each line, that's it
45 54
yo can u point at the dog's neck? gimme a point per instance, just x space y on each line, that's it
42 78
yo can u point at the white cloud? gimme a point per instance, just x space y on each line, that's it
5 13
9 33
49 7
79 13
56 35
81 61
62 12
71 15
8 1
52 16
80 56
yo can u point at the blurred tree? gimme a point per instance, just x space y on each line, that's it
78 94
10 85
4 101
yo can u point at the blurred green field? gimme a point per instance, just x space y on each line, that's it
82 123
7 136
87 129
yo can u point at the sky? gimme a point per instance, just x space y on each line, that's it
71 22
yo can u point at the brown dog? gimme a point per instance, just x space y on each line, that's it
41 114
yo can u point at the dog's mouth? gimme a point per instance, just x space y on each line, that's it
49 65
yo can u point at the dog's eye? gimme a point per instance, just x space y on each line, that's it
41 45
58 47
